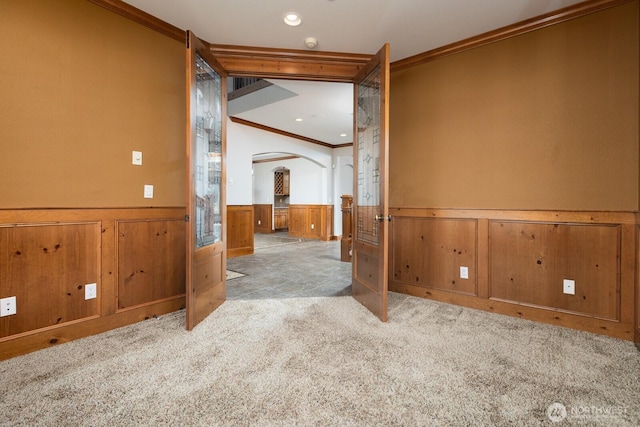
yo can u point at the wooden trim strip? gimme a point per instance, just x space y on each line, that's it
45 215
142 18
289 63
228 51
532 24
569 320
276 159
285 133
589 217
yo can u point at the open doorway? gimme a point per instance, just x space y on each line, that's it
296 140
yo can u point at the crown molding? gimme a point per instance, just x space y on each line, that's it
285 133
532 24
142 18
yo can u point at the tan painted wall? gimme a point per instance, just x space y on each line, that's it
545 120
81 88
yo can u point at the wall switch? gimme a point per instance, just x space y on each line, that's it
8 306
259 222
569 286
148 191
464 272
136 158
91 291
313 226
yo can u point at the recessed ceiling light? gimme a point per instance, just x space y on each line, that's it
298 119
343 134
292 19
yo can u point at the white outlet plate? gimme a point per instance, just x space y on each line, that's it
313 226
8 306
464 272
569 286
259 222
148 191
91 291
136 158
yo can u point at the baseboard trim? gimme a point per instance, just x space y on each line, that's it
557 318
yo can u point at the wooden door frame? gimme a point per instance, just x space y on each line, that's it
245 61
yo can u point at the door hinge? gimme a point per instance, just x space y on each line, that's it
186 218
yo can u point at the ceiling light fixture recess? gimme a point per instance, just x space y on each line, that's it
298 119
292 19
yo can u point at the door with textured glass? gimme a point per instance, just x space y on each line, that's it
371 218
206 176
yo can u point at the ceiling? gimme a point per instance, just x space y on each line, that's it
355 26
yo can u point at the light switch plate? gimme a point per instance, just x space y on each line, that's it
136 158
148 191
569 286
464 272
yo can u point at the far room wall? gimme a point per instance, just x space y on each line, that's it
317 177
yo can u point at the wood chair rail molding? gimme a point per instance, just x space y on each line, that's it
595 217
522 27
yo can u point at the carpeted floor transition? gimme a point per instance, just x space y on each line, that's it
328 361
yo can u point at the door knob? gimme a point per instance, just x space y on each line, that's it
381 218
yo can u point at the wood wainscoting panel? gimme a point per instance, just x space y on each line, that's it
529 261
262 215
239 230
522 258
311 221
429 252
636 317
48 256
298 221
46 268
151 261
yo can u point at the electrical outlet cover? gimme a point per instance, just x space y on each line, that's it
569 286
464 272
8 306
91 291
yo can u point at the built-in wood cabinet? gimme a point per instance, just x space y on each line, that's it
280 218
281 179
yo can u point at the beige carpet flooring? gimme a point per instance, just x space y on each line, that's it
327 361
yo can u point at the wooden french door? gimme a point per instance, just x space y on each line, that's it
370 264
206 177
